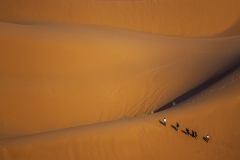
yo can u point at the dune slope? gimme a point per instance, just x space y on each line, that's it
144 137
73 76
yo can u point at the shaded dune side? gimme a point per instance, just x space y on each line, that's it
144 137
194 91
179 18
76 75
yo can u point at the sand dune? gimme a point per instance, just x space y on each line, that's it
179 18
83 75
79 79
144 137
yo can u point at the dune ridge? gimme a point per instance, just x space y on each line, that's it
137 73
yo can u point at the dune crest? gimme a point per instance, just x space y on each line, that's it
82 75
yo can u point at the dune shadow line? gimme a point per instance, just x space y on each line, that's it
233 30
197 89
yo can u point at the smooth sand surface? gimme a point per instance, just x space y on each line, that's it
79 79
191 18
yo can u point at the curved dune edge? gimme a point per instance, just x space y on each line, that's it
80 75
183 18
215 113
76 76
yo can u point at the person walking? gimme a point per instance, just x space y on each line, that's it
177 126
164 121
207 138
195 135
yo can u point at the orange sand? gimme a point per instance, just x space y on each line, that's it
191 18
79 79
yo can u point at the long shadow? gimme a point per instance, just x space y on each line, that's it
174 127
185 132
166 106
197 89
162 123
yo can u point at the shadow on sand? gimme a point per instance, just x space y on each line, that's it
185 132
204 138
162 123
232 31
174 127
198 89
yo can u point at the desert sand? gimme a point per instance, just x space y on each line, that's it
94 79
